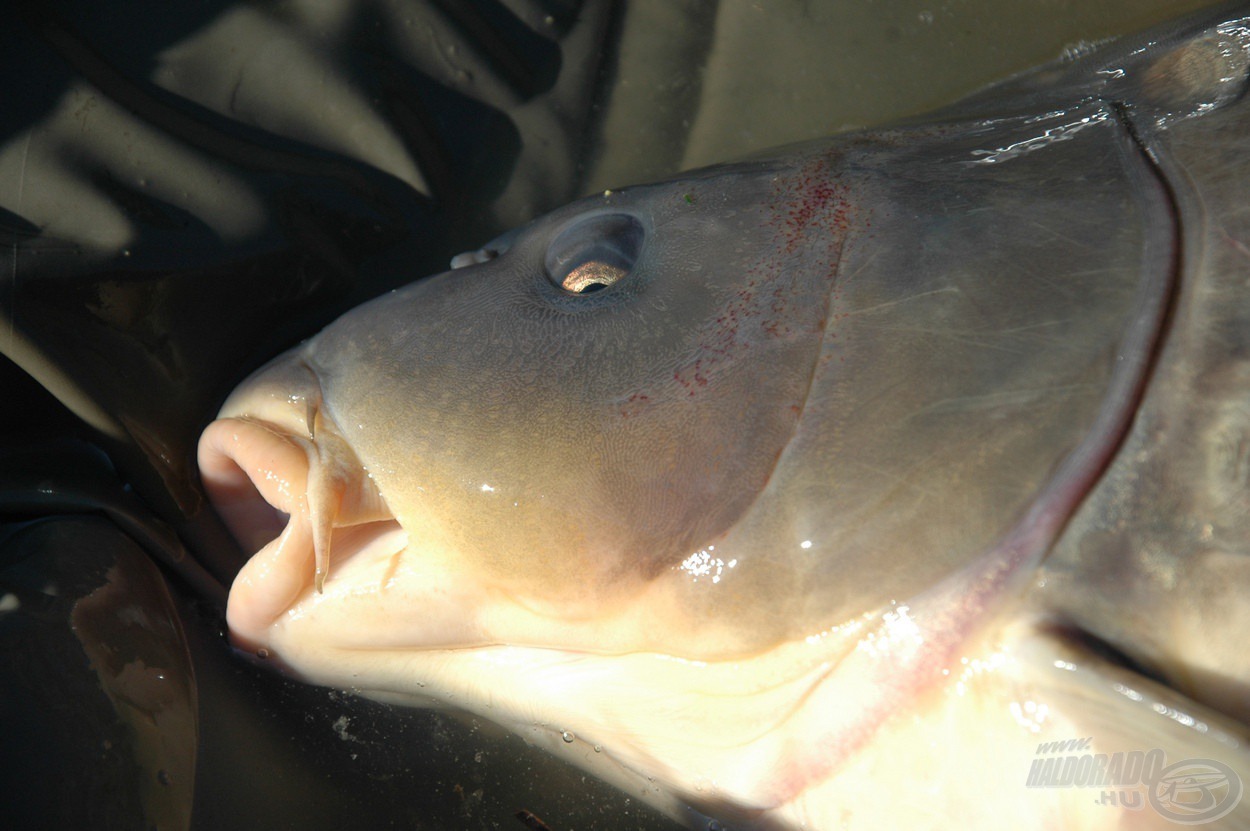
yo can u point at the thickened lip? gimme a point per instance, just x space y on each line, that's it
299 499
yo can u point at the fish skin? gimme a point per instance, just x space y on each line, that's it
641 506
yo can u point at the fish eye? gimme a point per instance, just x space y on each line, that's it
594 253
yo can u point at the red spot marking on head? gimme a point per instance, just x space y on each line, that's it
787 293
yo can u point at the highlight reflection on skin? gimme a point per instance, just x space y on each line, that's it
800 407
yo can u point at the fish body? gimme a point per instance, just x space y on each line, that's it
897 477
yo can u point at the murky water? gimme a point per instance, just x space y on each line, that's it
780 72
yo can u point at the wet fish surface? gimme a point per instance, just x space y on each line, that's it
895 478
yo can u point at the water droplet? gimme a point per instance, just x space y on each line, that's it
262 653
567 736
162 776
713 825
598 749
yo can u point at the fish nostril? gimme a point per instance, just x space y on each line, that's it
467 258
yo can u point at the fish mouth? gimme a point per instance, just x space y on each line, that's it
299 501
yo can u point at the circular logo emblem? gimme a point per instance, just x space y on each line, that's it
1194 791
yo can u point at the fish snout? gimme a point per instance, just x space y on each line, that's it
296 497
